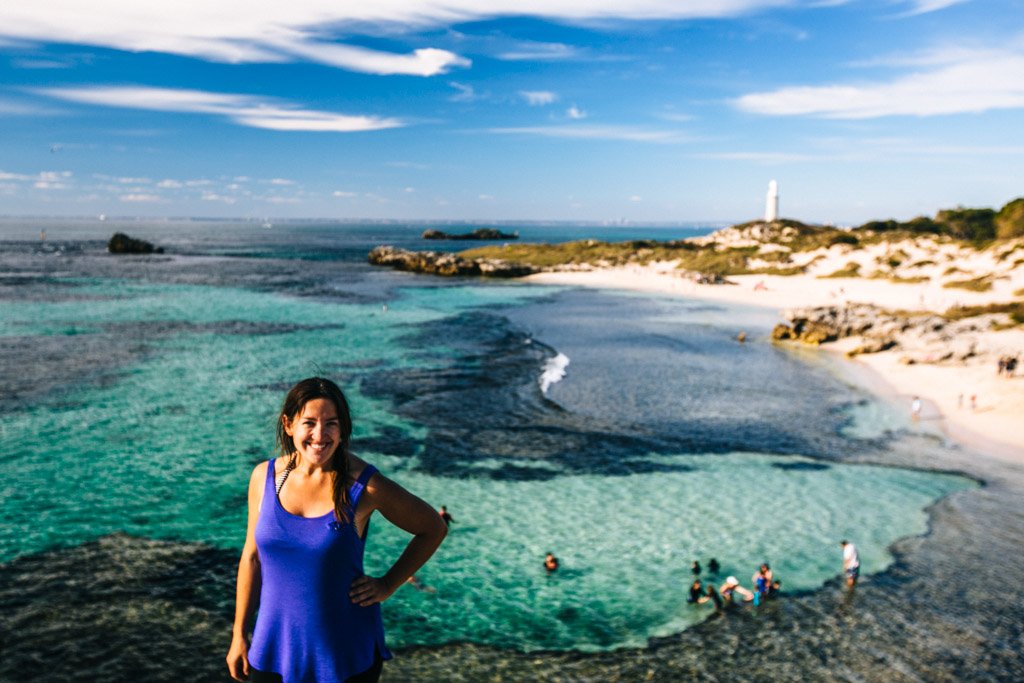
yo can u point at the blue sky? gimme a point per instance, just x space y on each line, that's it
656 110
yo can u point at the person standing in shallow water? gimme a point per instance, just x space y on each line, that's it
851 562
302 562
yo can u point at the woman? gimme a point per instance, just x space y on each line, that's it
302 563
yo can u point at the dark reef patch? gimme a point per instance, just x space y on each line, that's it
119 608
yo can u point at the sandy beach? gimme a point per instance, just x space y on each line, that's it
992 425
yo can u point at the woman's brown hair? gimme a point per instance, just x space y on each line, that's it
302 393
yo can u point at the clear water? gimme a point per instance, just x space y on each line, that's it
141 393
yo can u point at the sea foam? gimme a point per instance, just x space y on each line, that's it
554 371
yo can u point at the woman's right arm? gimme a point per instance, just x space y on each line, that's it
248 586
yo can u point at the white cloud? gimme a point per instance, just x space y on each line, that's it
134 181
409 190
585 132
538 98
281 181
465 94
962 82
575 113
239 31
169 184
245 110
486 197
636 198
925 6
342 193
533 52
141 198
214 197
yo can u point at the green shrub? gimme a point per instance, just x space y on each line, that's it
975 225
1015 309
852 269
1010 220
843 238
980 284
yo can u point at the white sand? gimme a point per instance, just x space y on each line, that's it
994 426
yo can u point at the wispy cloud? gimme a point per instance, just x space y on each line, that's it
584 132
237 31
538 98
245 110
465 92
575 113
141 198
539 52
925 6
963 81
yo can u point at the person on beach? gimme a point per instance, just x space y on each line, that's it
851 562
302 562
446 516
550 562
732 586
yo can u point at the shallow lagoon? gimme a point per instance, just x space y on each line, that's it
156 436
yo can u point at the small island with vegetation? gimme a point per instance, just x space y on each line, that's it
478 234
121 243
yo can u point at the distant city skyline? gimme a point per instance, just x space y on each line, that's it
659 111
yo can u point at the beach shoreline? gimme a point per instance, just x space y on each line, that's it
990 427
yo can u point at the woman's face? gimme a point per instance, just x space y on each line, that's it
315 431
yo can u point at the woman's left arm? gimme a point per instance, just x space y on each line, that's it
410 514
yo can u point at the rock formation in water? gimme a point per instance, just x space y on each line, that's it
121 243
479 234
439 263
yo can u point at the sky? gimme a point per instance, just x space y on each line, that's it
487 110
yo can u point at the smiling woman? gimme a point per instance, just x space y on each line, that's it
319 614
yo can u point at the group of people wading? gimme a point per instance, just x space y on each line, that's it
764 583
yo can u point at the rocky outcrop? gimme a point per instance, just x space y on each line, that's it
479 234
926 338
121 243
439 263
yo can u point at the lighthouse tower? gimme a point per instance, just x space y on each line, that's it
771 209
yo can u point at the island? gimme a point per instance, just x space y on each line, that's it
121 243
478 234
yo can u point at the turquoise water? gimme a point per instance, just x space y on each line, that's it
160 444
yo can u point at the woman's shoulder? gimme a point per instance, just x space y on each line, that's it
357 466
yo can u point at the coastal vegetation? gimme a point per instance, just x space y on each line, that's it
978 284
969 249
1014 309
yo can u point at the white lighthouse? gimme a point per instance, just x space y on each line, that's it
771 209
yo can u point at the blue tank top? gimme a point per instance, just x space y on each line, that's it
308 630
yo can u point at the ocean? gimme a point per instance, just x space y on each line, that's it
628 434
